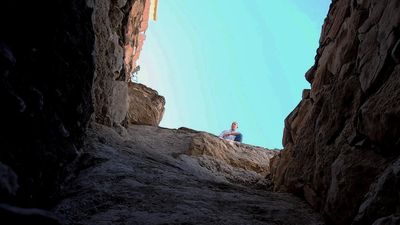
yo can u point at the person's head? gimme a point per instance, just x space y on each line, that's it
234 125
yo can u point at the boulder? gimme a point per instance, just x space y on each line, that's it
146 107
236 161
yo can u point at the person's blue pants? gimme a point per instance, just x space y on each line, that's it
239 137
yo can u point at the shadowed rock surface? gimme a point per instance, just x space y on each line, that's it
117 26
341 143
46 74
161 176
12 215
59 62
66 63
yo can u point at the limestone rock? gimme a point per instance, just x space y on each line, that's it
341 140
146 107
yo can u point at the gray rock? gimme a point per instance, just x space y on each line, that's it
11 215
383 197
166 176
389 220
117 26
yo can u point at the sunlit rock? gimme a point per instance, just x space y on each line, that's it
146 107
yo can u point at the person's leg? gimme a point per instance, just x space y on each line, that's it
239 137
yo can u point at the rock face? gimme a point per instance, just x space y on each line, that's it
341 143
239 162
61 64
14 215
146 107
64 63
153 175
137 24
46 73
119 27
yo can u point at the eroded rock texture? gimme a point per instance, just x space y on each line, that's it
46 73
146 107
118 27
342 141
60 61
153 175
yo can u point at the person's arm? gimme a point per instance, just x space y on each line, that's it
224 134
227 134
234 133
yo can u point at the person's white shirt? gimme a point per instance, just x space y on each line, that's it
229 137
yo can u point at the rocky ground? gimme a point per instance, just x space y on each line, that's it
151 175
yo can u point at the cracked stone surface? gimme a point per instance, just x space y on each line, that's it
342 140
151 175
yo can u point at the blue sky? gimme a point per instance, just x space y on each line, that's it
218 61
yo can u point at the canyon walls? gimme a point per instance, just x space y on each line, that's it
118 27
62 65
341 143
66 63
46 73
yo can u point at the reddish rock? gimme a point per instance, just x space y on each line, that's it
134 36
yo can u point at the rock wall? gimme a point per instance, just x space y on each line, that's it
146 107
341 143
46 73
119 27
62 63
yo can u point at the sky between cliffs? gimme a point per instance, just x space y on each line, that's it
218 61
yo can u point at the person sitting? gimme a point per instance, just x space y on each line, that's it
232 134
